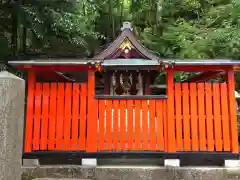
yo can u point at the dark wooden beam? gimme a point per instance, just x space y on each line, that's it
201 68
107 78
53 76
205 76
146 83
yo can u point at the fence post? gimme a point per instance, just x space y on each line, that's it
28 141
232 111
91 114
91 141
12 93
170 113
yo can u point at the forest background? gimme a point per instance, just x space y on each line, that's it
205 29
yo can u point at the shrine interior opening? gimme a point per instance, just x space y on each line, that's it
129 83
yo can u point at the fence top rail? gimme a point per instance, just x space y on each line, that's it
146 97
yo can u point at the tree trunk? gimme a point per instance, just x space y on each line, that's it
24 36
111 19
14 40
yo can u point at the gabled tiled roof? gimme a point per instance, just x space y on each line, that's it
126 34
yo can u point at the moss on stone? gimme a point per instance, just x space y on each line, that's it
26 176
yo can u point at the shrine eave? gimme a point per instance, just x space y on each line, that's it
54 64
87 64
205 62
51 62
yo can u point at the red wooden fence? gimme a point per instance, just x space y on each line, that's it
58 120
65 116
131 124
202 117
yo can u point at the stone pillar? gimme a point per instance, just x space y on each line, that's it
12 93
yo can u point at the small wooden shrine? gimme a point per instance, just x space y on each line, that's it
111 106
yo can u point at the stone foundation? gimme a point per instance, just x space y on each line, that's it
130 173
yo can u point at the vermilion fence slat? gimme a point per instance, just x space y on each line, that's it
115 124
186 117
217 117
60 116
178 116
145 134
225 117
96 119
165 125
137 134
52 116
130 124
201 117
67 115
208 99
30 113
109 137
75 126
123 124
45 116
194 120
102 108
37 116
152 124
83 117
159 125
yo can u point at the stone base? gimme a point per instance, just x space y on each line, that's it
89 162
171 162
130 173
232 163
30 162
58 179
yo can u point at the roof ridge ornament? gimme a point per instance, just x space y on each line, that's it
126 25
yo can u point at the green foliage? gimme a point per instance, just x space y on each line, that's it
169 28
69 21
194 29
197 29
50 24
